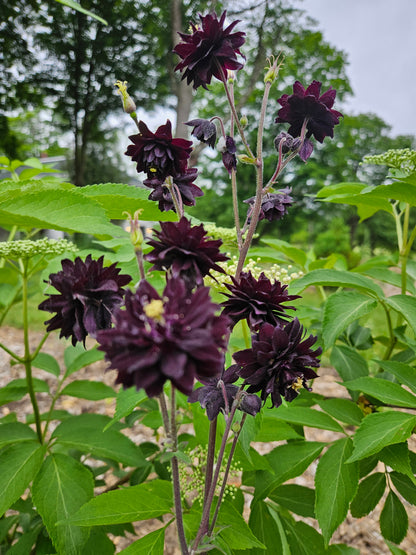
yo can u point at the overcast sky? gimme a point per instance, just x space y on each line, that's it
380 39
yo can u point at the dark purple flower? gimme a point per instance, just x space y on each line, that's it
257 301
286 142
158 154
212 394
274 206
185 186
309 105
228 155
88 295
209 50
186 251
279 361
204 130
175 336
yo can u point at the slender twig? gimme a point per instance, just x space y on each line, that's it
210 457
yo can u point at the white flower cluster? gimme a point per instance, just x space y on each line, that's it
274 272
26 248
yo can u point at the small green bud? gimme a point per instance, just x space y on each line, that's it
247 159
236 427
272 69
128 103
243 121
136 235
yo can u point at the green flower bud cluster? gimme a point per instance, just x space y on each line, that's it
274 272
228 235
27 248
402 159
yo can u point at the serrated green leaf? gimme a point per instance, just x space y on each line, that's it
306 416
119 198
14 432
380 429
405 305
397 457
349 364
234 529
17 389
91 390
404 486
151 544
336 482
393 519
337 278
85 432
59 207
295 254
342 409
127 400
394 549
303 539
388 276
383 390
341 309
99 542
47 362
149 500
19 464
405 373
298 499
287 461
264 527
61 487
369 493
273 429
85 358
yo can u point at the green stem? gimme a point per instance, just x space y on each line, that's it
210 457
12 354
27 359
393 339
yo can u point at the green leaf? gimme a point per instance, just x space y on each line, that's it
397 457
341 309
405 305
403 372
394 549
61 487
148 500
17 389
91 390
306 416
263 525
60 207
75 6
47 362
303 539
14 432
19 464
119 198
127 400
337 278
287 461
298 499
404 486
151 544
349 364
369 493
393 519
85 432
336 482
342 409
380 429
235 531
383 390
292 253
388 276
273 429
84 359
99 542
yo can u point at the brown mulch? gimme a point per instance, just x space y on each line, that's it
362 534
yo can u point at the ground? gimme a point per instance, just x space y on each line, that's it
363 534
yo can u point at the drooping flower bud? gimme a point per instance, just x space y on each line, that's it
128 103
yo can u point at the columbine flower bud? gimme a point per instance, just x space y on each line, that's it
136 235
243 121
128 103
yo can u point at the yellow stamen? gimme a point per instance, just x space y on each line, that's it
154 309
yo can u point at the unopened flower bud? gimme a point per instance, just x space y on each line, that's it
136 235
128 103
243 121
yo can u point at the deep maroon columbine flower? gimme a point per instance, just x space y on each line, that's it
286 143
158 154
204 130
279 362
176 337
228 155
257 301
209 50
309 105
88 295
274 206
186 251
184 185
218 395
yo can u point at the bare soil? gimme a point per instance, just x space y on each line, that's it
362 534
